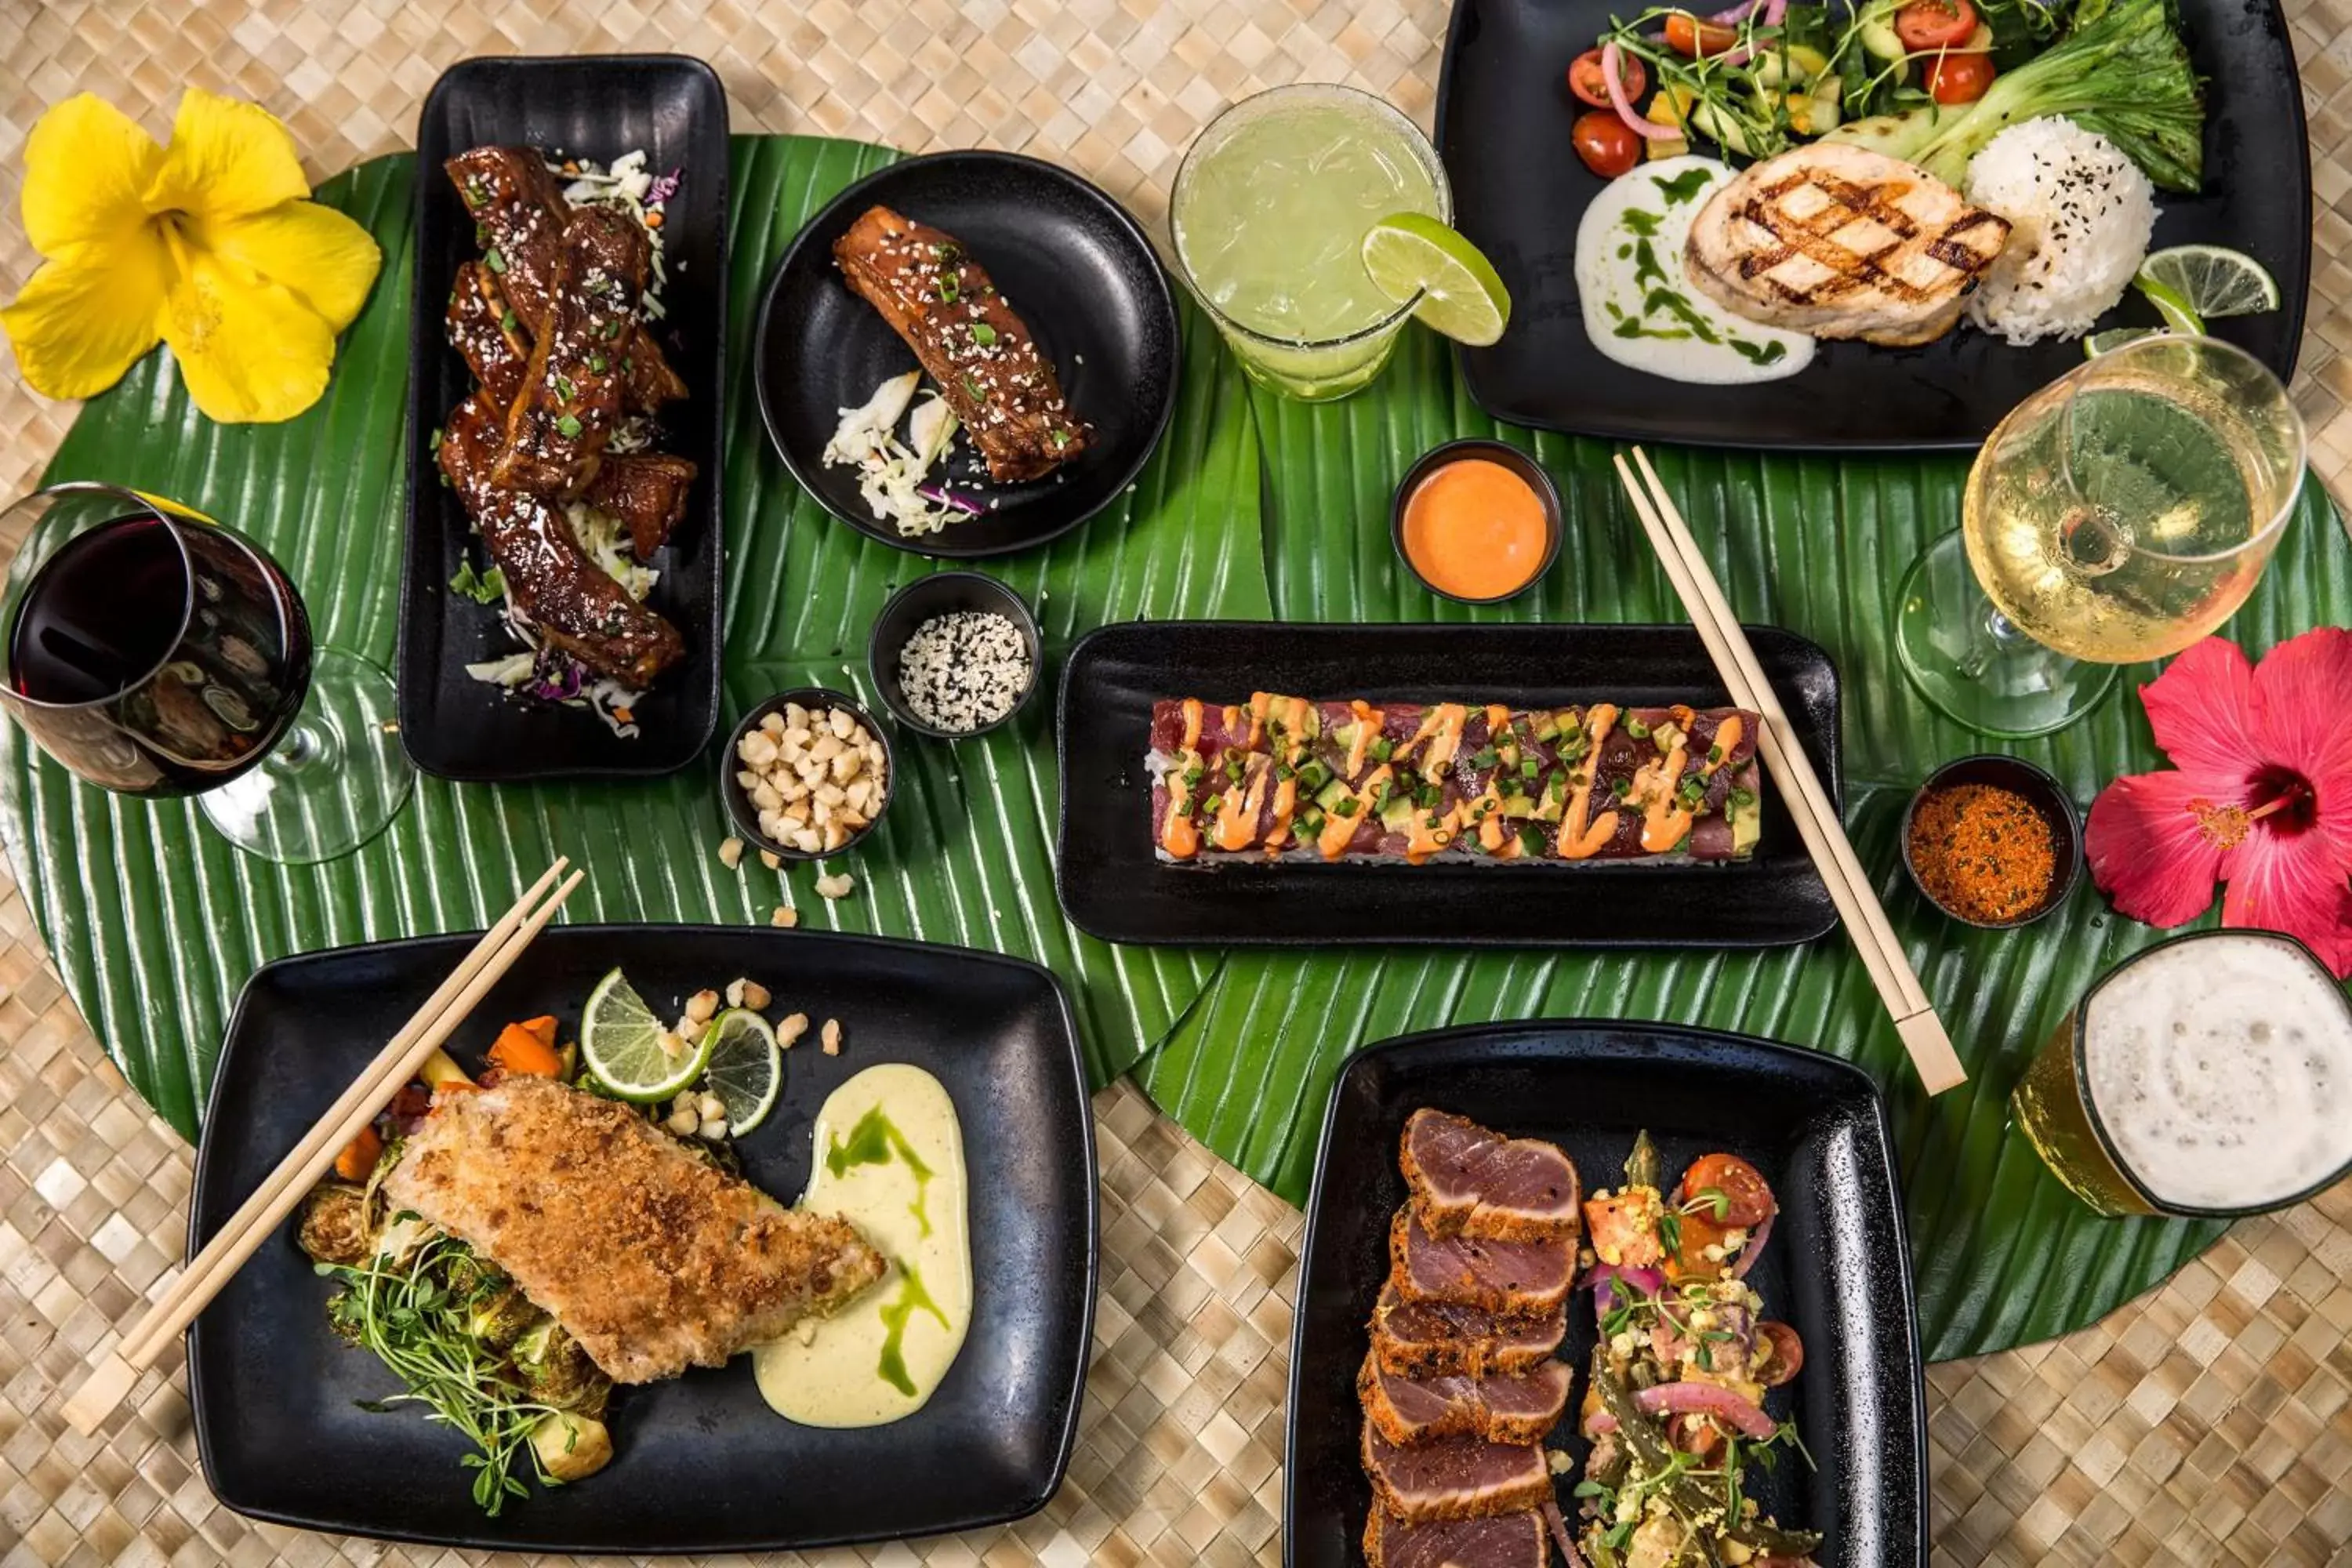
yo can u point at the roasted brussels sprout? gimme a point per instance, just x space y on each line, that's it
570 1448
557 1372
334 1228
499 1317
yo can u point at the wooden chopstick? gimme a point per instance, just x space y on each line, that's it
255 1212
260 1216
1849 887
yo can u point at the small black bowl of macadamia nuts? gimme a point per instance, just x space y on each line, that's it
808 774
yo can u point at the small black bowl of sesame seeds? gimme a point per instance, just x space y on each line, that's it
955 654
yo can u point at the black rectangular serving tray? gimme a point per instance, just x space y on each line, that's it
1114 887
1503 114
598 107
701 1465
1837 1267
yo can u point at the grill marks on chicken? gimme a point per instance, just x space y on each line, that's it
653 1259
1458 1386
983 357
1842 242
550 321
574 603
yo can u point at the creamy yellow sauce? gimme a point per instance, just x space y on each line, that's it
889 1158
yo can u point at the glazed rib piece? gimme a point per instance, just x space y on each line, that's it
937 299
570 399
519 212
1467 1181
653 1259
1284 778
573 602
647 491
486 329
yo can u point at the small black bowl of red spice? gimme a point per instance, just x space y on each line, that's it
1992 841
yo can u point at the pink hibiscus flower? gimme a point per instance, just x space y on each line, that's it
2260 795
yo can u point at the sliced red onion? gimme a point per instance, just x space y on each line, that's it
1649 130
1561 1538
1707 1399
948 497
1597 1422
1647 1281
1748 1254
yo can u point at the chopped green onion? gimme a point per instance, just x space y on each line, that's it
983 334
569 427
1636 728
494 259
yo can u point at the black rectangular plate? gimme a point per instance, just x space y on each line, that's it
1503 117
702 1465
599 106
1837 1267
1114 887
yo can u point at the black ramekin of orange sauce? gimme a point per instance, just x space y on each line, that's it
1476 521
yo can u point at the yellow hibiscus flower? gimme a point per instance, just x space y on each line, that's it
208 245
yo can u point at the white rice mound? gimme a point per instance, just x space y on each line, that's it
2081 214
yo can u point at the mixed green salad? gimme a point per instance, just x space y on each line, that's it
1929 81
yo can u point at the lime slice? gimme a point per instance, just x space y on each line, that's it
2113 337
746 1069
2179 314
624 1045
2213 280
1461 294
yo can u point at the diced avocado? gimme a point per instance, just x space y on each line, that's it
1547 726
1517 806
1329 797
1747 824
1397 816
1313 775
1344 735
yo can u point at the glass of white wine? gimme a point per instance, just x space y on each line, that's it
2120 514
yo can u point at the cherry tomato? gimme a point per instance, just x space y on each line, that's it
1958 78
1746 1198
1690 37
1788 1357
1607 144
1926 25
1585 80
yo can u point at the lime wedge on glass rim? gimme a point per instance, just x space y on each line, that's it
2178 313
1460 293
624 1045
2210 281
746 1068
2113 337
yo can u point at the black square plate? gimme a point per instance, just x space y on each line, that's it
1113 886
701 1464
1837 1269
598 107
1075 265
1503 116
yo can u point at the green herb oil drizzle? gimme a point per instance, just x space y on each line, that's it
875 1140
912 1299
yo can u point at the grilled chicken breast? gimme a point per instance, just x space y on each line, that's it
653 1259
1842 242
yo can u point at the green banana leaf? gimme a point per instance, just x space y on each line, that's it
154 922
2002 1254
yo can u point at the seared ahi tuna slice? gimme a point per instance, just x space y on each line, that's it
1504 1541
1455 1478
1517 1277
1409 1410
1467 1181
1432 1339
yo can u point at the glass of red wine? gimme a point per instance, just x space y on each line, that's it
154 652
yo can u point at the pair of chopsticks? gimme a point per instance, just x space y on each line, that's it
394 1067
1816 816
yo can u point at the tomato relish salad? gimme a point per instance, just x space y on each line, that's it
1675 1405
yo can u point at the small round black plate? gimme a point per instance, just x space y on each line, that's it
1068 258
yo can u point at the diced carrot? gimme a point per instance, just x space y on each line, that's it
541 1028
654 219
519 1050
358 1156
625 716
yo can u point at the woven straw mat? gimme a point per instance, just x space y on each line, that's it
2208 1422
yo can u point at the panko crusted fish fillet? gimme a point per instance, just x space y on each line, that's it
652 1260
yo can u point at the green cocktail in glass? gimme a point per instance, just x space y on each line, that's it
1270 212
